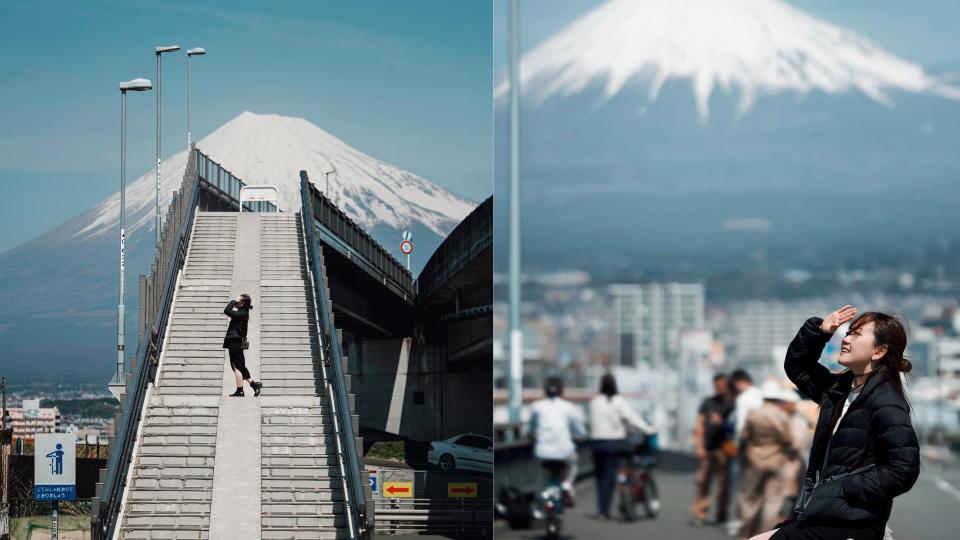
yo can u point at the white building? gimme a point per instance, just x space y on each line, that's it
30 419
649 317
763 329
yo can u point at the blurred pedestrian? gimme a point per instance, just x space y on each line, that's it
610 416
865 451
748 398
768 446
554 424
801 430
711 432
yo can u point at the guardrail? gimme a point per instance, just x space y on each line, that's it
470 237
355 495
222 183
351 240
156 297
458 518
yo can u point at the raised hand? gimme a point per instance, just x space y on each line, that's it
836 319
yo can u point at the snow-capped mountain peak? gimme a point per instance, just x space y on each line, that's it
756 47
269 149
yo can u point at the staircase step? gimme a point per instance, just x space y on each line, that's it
301 523
306 508
331 495
175 461
167 521
168 495
168 482
168 508
300 440
276 533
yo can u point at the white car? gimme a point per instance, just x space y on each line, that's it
468 451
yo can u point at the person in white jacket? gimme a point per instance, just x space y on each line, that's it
554 424
610 417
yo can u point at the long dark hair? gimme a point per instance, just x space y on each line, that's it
608 385
888 330
247 302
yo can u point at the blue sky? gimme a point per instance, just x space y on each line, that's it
406 82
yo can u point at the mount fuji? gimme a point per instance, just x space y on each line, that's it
272 150
691 135
59 289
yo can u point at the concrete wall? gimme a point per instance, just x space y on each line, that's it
426 398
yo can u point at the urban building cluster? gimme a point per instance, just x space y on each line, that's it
30 418
665 341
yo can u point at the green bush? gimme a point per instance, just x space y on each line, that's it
392 450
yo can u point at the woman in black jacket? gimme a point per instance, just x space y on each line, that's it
239 312
865 451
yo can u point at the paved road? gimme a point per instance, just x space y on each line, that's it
929 512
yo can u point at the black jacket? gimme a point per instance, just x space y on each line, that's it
876 431
238 323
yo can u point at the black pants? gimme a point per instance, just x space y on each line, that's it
237 360
606 459
829 531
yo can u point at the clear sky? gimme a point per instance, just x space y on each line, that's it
406 82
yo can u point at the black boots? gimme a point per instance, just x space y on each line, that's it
253 384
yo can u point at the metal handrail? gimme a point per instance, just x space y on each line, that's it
359 241
349 458
147 351
218 178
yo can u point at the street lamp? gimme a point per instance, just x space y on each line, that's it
136 85
327 176
198 51
515 386
160 51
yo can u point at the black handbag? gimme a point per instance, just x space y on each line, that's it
810 487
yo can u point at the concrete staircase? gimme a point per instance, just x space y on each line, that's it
301 486
170 488
194 471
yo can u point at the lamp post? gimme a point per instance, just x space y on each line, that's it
198 51
6 438
136 85
327 176
160 51
515 387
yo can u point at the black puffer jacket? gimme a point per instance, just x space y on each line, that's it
876 432
237 330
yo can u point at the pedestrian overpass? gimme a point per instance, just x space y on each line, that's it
189 462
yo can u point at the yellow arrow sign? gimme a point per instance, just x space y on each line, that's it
393 490
462 489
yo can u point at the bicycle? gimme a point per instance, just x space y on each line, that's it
635 482
551 498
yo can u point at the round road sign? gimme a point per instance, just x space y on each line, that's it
406 247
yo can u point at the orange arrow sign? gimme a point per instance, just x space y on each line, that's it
398 489
462 489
